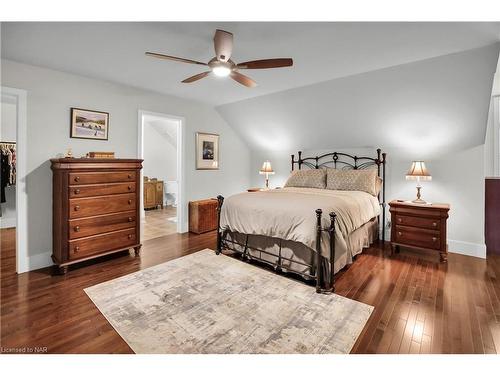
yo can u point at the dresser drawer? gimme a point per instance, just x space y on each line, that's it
418 237
102 243
415 221
101 224
84 207
80 191
78 178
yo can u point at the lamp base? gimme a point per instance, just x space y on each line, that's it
419 201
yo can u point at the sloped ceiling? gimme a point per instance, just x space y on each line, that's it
114 51
423 108
164 127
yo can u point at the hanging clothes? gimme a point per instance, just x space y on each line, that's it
7 167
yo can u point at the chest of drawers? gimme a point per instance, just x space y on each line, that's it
419 226
95 208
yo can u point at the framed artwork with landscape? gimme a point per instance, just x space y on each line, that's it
207 151
89 124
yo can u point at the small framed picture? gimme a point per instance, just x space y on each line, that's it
207 151
89 124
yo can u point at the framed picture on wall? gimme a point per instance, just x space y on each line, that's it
207 151
89 124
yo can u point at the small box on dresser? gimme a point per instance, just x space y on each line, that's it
95 208
419 226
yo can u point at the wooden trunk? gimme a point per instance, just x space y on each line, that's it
203 215
95 208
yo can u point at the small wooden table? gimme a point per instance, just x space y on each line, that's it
419 226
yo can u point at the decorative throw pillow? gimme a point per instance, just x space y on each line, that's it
308 178
353 179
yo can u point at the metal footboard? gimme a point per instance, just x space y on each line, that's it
325 282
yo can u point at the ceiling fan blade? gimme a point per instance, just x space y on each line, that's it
223 44
243 79
196 77
167 57
265 64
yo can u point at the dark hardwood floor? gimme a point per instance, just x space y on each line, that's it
421 305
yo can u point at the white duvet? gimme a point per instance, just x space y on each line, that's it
289 213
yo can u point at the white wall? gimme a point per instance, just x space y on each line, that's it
160 155
492 139
51 94
8 134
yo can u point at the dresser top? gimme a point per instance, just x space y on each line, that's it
94 160
436 206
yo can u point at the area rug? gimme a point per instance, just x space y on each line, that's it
208 303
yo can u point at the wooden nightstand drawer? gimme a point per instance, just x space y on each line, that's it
415 221
418 237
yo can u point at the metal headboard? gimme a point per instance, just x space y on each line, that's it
340 160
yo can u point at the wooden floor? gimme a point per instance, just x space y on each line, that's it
421 306
155 223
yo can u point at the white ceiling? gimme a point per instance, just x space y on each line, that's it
321 51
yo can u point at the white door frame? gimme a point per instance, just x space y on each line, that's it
22 259
181 129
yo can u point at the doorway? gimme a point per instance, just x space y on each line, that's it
160 145
13 185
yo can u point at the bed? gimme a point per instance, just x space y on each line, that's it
287 229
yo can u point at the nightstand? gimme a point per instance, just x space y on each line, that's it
253 190
419 226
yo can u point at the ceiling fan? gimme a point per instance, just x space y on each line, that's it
222 65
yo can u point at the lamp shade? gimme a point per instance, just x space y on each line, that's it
266 168
418 171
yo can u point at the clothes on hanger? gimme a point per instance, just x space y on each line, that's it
7 167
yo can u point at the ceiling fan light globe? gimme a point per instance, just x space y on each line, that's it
221 71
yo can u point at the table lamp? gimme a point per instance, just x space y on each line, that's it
418 172
267 170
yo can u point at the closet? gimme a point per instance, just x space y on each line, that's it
8 183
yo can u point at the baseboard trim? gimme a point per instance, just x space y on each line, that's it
8 222
459 247
467 248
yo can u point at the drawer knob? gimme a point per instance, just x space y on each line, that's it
77 191
129 176
77 229
77 178
399 233
130 201
434 239
129 219
77 208
77 248
434 224
399 220
129 187
129 236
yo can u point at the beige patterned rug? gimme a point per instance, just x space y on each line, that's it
204 303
